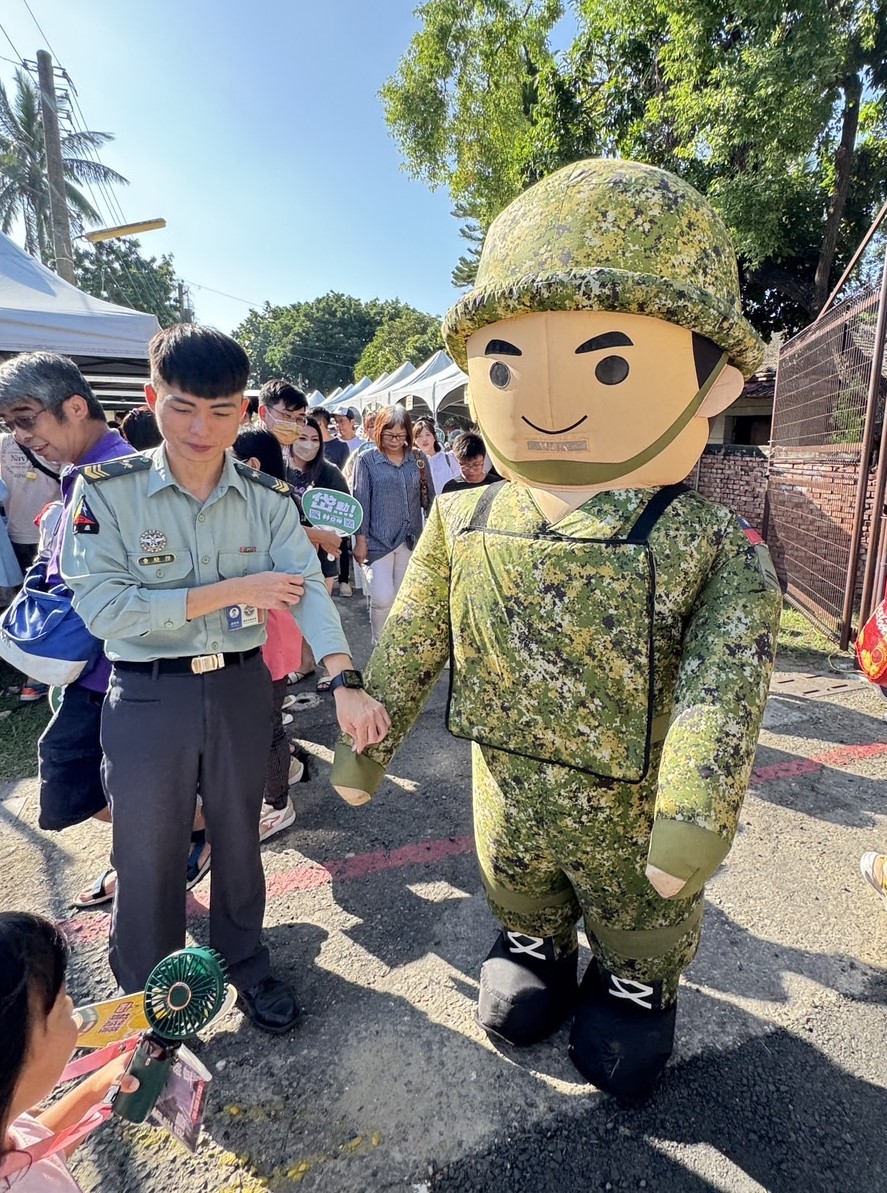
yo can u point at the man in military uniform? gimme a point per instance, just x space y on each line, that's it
613 633
173 560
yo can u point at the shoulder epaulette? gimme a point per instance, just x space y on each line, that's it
262 478
125 466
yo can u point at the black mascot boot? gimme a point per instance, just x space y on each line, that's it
622 1035
527 989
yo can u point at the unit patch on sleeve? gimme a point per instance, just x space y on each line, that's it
85 521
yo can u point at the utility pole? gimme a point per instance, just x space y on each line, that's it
58 204
186 315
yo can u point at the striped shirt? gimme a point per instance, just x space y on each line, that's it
391 499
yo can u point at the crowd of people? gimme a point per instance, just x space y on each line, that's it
178 533
183 544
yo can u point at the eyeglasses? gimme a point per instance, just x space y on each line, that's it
21 422
288 416
395 435
13 1167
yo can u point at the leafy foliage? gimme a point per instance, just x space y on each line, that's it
776 110
315 344
117 271
411 336
24 186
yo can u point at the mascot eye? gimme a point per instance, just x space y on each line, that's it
500 374
611 370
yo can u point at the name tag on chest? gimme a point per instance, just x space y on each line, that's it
155 560
243 617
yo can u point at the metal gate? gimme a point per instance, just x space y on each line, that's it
827 464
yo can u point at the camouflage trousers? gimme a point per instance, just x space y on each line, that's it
555 844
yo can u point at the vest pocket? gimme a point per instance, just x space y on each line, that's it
552 649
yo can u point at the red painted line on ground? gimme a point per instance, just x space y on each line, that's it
840 756
309 875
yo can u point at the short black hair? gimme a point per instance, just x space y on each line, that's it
256 441
33 959
279 392
198 360
469 446
140 429
322 416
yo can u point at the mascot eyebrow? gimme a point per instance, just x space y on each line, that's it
610 339
502 348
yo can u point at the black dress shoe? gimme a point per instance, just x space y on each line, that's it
271 1004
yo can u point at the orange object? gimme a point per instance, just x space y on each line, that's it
871 645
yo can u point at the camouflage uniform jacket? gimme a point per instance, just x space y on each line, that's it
556 656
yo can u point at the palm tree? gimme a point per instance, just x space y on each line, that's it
24 185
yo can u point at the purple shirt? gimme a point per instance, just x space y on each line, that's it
110 447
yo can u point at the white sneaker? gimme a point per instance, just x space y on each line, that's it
297 769
275 820
345 590
287 718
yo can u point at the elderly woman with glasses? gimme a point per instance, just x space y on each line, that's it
394 486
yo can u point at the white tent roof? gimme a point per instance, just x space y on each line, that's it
378 391
432 381
321 399
41 312
315 398
337 401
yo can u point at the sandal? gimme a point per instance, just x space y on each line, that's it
99 893
298 676
199 862
323 684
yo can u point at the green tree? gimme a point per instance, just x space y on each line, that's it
412 336
24 187
316 343
117 271
776 111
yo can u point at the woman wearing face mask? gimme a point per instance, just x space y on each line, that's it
310 470
442 464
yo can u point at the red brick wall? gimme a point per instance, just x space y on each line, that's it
735 476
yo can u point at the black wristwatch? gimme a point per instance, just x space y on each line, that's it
346 679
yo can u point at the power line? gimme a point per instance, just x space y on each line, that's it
12 43
233 297
39 30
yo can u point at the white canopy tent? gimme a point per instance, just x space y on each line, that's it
321 400
41 312
377 394
315 398
433 381
346 397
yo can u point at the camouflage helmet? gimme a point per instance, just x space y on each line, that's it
610 235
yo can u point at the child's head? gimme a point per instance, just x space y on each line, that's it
37 1029
260 450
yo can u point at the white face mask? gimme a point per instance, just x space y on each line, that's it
306 449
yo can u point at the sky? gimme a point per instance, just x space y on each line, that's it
255 129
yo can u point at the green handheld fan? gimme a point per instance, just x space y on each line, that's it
183 994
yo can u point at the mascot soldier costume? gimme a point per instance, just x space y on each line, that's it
612 632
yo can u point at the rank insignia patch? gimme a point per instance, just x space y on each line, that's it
85 521
152 540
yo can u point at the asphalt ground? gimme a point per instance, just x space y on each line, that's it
778 1079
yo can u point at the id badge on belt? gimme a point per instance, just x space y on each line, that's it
243 617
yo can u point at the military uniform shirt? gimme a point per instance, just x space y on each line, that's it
140 542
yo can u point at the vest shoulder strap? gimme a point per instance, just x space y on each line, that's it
652 512
481 514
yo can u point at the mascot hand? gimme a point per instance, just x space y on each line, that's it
353 795
666 884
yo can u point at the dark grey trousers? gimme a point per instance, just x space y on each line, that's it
165 737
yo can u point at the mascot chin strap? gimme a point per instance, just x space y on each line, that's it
584 475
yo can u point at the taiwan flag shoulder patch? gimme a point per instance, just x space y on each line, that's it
85 521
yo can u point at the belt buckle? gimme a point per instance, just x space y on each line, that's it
207 662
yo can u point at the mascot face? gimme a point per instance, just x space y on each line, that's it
595 400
